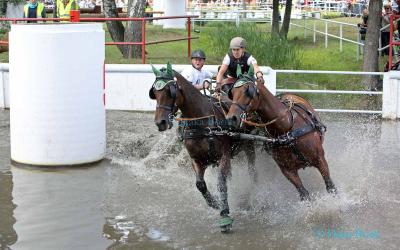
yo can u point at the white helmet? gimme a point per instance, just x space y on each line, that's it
237 43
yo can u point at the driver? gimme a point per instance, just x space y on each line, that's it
236 56
197 75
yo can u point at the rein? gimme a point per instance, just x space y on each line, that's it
193 119
255 124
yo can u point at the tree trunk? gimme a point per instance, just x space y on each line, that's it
275 18
116 28
371 56
286 20
133 31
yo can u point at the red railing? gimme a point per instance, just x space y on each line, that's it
75 17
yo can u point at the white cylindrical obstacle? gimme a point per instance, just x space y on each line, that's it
175 8
57 115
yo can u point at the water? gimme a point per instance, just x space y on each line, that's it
143 196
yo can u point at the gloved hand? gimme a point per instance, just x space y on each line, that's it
260 80
206 84
218 88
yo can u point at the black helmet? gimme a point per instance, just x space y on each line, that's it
198 54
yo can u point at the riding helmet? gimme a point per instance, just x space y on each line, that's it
198 54
237 43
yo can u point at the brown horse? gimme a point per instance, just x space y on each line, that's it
201 115
292 122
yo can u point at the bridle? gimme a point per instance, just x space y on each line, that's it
251 92
173 89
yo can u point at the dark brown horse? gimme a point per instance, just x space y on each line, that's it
201 115
292 122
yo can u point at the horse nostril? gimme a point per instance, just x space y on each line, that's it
161 122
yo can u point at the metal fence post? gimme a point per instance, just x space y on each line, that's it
315 33
341 37
326 34
305 26
358 46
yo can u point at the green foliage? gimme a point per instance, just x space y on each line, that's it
270 51
331 15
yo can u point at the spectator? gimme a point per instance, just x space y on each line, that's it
148 10
199 77
364 24
34 9
64 7
385 34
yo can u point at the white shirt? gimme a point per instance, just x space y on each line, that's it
250 61
196 77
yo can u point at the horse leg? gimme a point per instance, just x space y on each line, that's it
251 159
294 178
202 186
324 170
225 167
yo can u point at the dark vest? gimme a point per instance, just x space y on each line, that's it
242 61
32 12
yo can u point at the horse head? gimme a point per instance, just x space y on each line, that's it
243 93
165 91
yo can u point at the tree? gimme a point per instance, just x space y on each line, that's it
286 20
275 18
132 32
371 56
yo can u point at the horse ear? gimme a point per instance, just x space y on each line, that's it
169 70
155 71
251 71
238 71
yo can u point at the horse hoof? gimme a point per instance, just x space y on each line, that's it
225 223
226 229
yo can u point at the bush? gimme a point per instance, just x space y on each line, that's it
268 51
331 15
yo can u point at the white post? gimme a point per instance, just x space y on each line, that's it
271 15
326 34
174 8
359 46
270 79
341 37
315 33
2 91
237 18
390 98
305 26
